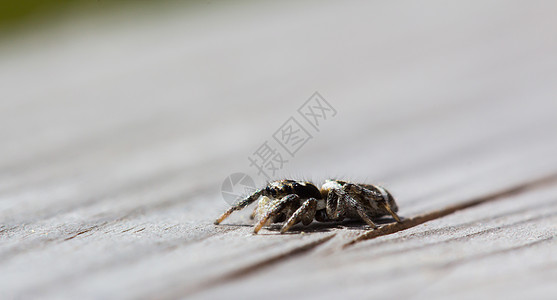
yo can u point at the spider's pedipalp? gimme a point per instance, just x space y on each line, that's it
305 213
337 207
332 207
332 191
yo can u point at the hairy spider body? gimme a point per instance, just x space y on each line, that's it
293 201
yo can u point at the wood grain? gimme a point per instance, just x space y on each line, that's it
117 132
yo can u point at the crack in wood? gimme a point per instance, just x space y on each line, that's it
455 262
539 207
462 238
113 264
423 218
41 243
82 232
250 269
492 253
136 186
126 230
6 229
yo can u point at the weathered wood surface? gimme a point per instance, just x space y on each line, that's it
117 134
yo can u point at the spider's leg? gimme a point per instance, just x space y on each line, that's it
290 209
390 210
308 216
275 210
305 213
351 201
240 205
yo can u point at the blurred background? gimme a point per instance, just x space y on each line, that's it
112 107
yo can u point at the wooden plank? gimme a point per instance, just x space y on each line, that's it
111 168
460 255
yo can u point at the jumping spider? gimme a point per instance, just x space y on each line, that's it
294 201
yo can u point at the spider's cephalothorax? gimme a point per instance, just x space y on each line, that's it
301 201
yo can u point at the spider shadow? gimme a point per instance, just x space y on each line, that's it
315 226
